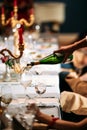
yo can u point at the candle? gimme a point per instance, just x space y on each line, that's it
20 31
2 10
31 11
12 13
15 3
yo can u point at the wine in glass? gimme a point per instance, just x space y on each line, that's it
5 100
40 89
6 96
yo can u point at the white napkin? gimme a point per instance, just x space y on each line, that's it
73 102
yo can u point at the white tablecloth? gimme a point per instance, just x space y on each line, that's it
48 76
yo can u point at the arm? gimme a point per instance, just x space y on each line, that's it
58 124
61 124
69 49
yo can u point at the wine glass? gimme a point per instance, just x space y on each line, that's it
40 89
26 81
6 95
27 115
6 98
11 111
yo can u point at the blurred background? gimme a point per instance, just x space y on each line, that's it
60 16
75 15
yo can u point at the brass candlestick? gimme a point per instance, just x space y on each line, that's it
14 22
21 49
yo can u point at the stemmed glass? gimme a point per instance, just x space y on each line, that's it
6 95
6 98
27 115
40 89
11 111
26 81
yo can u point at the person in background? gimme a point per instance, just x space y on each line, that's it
77 80
75 67
69 49
75 72
73 77
74 102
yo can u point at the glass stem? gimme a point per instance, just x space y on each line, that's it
7 76
25 90
0 106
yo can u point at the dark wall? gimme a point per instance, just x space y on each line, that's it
76 15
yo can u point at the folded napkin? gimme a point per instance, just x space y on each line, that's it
73 102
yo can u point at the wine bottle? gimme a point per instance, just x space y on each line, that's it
51 59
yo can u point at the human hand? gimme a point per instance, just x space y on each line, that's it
35 109
69 49
66 51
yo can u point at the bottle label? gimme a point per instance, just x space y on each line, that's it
62 56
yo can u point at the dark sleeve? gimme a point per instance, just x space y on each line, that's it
62 83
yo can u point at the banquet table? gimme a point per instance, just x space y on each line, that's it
50 99
47 74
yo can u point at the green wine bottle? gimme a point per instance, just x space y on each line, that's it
51 59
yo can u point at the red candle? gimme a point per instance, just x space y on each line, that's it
15 3
2 10
12 13
20 31
31 11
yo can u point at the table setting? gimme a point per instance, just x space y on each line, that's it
47 101
22 85
17 113
39 84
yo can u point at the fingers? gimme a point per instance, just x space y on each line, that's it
65 58
58 51
61 50
32 107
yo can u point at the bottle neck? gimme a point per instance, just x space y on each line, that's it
50 59
34 63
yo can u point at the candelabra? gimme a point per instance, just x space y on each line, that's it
21 48
14 22
9 57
